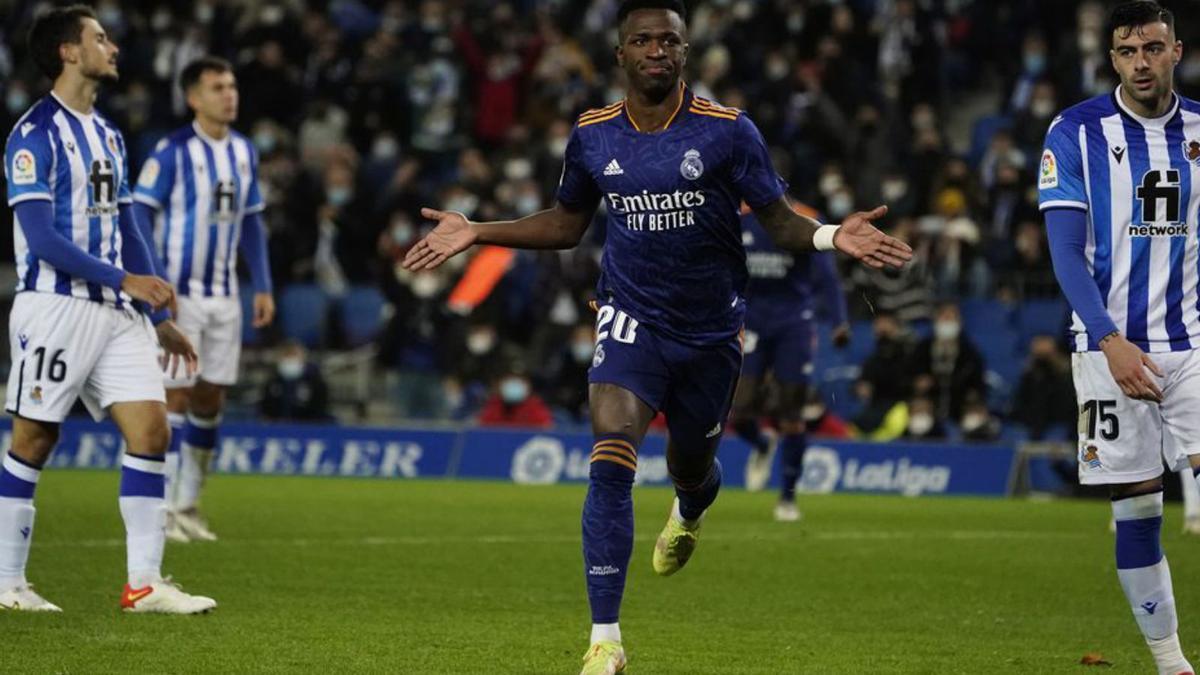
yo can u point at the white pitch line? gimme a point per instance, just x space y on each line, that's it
510 539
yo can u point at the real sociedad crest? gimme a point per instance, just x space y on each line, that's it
691 168
1191 150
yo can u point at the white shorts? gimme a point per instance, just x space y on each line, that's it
214 325
64 348
1123 440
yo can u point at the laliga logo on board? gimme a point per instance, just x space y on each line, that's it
825 472
544 460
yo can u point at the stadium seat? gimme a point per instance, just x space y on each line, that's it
981 135
362 315
1042 317
984 316
303 309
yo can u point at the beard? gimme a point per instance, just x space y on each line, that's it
107 74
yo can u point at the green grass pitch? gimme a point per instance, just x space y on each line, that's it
328 575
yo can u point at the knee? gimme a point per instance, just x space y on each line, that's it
32 442
151 439
206 400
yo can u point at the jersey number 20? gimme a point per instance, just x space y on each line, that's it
624 327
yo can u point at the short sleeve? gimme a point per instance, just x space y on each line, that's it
254 200
158 175
1060 173
751 169
28 162
577 190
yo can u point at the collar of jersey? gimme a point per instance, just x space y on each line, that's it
1160 121
670 120
209 139
85 117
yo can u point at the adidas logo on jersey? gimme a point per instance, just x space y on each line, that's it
613 169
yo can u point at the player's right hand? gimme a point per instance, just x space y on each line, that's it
177 349
149 289
452 235
1129 365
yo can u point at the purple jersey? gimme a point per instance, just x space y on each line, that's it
673 257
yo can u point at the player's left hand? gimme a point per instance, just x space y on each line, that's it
857 237
841 336
177 348
264 310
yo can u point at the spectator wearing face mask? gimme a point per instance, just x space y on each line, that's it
1046 395
567 368
514 404
883 381
923 423
296 391
977 422
948 367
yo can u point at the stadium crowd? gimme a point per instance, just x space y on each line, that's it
363 111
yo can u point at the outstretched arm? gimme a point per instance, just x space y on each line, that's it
554 228
856 236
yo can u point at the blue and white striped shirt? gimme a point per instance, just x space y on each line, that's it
1133 177
201 189
77 163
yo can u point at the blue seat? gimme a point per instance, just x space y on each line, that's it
981 136
303 310
362 315
1042 317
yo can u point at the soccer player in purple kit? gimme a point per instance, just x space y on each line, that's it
780 340
672 170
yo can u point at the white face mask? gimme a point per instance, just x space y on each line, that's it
946 330
425 285
290 368
480 342
840 206
973 421
829 183
558 146
582 351
1042 107
920 424
813 411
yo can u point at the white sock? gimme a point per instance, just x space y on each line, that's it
16 535
606 632
145 516
1168 655
17 484
171 464
1191 493
194 463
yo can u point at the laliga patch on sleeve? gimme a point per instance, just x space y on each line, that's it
1049 172
149 173
24 168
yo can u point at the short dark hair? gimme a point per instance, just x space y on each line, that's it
193 71
52 29
630 6
1130 15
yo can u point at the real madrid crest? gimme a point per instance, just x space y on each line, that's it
691 168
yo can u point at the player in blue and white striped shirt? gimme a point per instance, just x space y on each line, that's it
200 192
73 333
1116 186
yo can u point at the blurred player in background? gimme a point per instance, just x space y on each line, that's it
1119 202
76 331
199 192
780 341
672 170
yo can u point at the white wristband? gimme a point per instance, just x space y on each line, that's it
823 237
